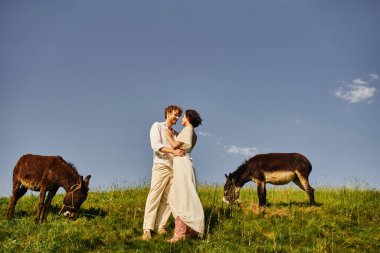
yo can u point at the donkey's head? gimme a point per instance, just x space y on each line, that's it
75 197
231 191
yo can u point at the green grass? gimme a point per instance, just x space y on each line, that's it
344 220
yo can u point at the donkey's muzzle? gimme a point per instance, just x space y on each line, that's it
70 215
226 201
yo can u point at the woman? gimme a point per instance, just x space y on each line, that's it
184 201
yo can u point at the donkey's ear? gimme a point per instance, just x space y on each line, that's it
230 175
87 180
226 176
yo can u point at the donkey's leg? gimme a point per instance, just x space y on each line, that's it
261 191
13 201
17 192
265 194
297 181
48 200
305 184
40 204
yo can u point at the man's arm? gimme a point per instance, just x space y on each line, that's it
175 152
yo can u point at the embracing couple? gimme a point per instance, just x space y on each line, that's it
174 185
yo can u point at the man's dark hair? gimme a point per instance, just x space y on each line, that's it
171 108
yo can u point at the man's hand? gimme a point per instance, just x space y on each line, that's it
178 152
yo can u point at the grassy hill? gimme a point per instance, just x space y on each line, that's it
344 220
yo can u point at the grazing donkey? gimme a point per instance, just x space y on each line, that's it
275 168
47 174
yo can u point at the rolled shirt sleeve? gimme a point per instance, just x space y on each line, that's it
156 141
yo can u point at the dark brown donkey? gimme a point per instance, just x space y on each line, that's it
47 174
276 168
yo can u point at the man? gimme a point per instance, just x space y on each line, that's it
157 210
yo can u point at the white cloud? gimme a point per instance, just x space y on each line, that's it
245 151
359 81
373 77
204 134
357 91
233 149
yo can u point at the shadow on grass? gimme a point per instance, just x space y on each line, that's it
21 213
92 213
214 215
293 203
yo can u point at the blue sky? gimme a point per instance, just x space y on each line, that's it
86 79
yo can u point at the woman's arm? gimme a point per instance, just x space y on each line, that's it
173 143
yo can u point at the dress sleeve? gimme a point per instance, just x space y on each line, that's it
185 136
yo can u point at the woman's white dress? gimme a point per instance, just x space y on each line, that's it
183 197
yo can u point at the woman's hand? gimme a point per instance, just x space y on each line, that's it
170 133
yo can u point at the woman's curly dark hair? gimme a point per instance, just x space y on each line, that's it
193 117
